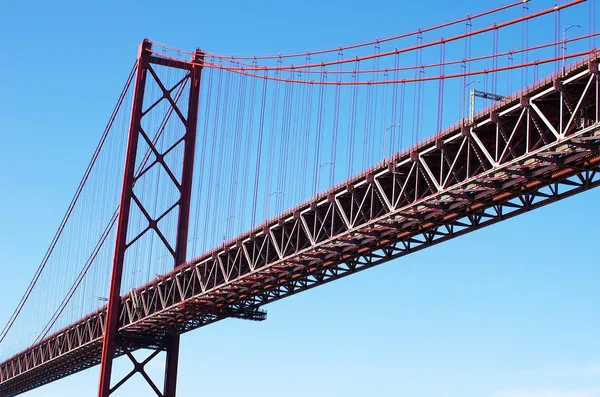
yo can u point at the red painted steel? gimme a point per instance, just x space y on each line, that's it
171 364
110 338
262 68
184 209
402 206
390 210
114 298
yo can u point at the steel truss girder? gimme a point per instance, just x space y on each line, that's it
506 163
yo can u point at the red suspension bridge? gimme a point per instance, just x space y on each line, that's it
201 220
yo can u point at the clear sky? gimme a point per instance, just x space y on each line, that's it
509 311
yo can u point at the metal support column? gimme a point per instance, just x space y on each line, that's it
111 338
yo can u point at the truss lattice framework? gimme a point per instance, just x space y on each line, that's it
534 150
180 189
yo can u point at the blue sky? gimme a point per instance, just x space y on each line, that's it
509 311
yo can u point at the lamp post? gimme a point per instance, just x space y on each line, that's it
385 135
463 99
564 43
227 224
157 268
71 311
133 276
267 203
319 174
194 239
93 298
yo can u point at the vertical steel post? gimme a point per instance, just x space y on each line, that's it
114 300
187 180
188 159
171 364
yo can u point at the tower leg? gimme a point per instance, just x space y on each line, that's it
170 387
112 345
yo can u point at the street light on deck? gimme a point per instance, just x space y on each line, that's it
385 136
319 175
564 43
267 203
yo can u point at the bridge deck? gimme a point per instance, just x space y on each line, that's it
535 147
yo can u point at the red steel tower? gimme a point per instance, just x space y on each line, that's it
113 345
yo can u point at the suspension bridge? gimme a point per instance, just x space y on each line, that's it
222 183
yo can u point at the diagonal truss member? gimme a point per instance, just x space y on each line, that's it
112 343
